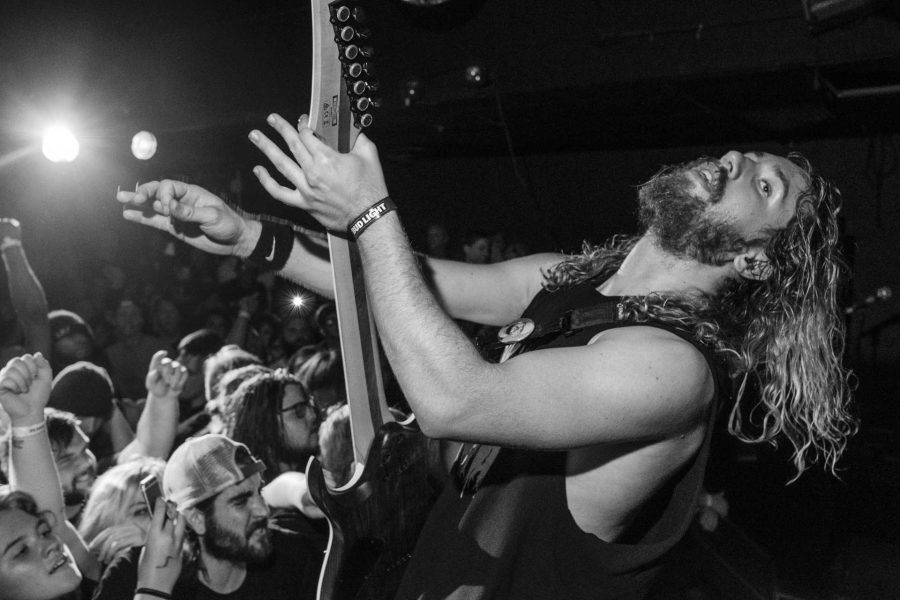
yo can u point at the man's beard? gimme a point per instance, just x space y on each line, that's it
81 487
679 220
226 544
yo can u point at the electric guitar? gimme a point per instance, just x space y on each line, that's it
376 517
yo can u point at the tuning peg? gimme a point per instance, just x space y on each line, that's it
342 14
351 52
357 70
359 87
346 34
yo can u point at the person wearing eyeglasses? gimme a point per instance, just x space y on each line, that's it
274 415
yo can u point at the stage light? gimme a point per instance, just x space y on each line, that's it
412 91
477 76
60 144
143 145
297 301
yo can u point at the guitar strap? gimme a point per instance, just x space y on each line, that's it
474 460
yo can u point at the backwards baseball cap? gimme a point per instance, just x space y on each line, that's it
65 322
83 389
204 466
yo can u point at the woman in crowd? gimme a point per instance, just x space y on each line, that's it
116 516
41 555
35 564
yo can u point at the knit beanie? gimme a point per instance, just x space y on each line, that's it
83 389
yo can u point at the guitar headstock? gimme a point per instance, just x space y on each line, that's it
343 87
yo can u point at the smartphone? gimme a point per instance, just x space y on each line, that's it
152 490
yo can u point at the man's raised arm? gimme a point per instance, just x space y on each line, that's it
492 294
205 221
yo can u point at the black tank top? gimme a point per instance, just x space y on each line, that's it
503 530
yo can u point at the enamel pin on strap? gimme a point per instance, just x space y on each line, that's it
571 321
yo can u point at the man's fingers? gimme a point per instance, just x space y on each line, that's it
276 190
44 371
15 380
157 359
180 523
159 514
290 136
30 364
284 164
201 215
140 196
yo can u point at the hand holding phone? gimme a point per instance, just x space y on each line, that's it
152 490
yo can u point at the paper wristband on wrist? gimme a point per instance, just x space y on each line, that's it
24 432
10 242
152 592
370 215
273 247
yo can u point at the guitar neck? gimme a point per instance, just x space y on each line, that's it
333 120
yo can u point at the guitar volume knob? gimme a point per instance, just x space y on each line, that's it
365 120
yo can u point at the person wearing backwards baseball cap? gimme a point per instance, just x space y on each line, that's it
230 548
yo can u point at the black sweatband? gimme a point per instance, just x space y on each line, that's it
152 592
273 248
370 215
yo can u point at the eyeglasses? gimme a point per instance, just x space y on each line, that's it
302 408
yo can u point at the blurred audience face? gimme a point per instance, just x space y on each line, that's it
77 468
166 318
498 246
34 563
73 348
217 322
117 499
299 420
297 331
478 252
437 239
238 527
129 319
515 250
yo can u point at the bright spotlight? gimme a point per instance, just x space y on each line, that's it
60 144
143 145
297 301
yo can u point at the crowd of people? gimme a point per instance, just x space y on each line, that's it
586 441
154 364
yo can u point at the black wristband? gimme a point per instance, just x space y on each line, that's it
273 247
370 215
152 592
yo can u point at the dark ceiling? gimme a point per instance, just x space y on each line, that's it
563 76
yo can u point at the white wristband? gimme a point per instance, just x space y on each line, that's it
10 242
24 432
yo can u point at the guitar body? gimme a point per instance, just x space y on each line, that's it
375 522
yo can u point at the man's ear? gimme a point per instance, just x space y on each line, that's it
195 520
753 264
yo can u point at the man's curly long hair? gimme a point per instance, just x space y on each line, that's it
783 335
252 416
